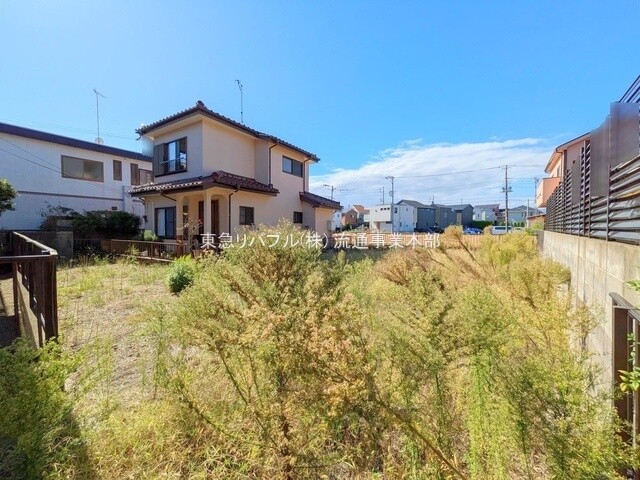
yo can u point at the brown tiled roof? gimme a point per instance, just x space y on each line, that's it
358 208
240 182
216 179
318 201
200 108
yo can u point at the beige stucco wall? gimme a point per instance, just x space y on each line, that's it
226 148
193 132
597 269
323 220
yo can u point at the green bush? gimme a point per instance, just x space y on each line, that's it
149 236
97 223
183 271
120 224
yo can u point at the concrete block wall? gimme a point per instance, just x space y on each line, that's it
597 268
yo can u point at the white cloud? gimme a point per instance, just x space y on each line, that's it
472 172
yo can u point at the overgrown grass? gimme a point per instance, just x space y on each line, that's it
288 363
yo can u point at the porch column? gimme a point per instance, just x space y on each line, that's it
207 212
179 217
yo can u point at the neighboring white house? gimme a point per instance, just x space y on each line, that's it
50 170
486 213
214 175
336 219
404 218
519 214
380 218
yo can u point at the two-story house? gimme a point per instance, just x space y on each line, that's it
463 214
486 213
354 217
51 171
561 159
214 175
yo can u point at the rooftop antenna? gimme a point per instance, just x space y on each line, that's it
99 141
241 102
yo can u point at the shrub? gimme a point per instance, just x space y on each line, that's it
7 195
183 271
92 224
149 236
120 224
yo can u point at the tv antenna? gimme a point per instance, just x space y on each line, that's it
99 141
241 102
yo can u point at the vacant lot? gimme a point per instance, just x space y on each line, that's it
280 363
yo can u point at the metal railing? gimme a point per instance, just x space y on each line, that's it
35 294
615 216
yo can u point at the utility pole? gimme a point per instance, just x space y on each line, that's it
241 102
535 193
331 187
392 201
506 189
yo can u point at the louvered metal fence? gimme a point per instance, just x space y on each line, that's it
572 209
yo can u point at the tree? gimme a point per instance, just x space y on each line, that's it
7 195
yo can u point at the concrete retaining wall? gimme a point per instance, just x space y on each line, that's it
597 269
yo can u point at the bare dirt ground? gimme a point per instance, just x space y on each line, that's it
102 312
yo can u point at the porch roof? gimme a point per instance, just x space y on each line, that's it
318 201
216 179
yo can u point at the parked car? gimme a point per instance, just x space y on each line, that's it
472 231
423 230
437 229
500 230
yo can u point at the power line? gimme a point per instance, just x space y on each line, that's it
50 166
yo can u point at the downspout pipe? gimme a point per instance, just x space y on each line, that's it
274 145
229 202
304 174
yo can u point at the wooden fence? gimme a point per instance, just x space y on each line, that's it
35 294
158 251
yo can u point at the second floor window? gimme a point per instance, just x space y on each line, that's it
82 169
171 157
294 167
146 176
117 170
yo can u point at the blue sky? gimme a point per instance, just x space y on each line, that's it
373 88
